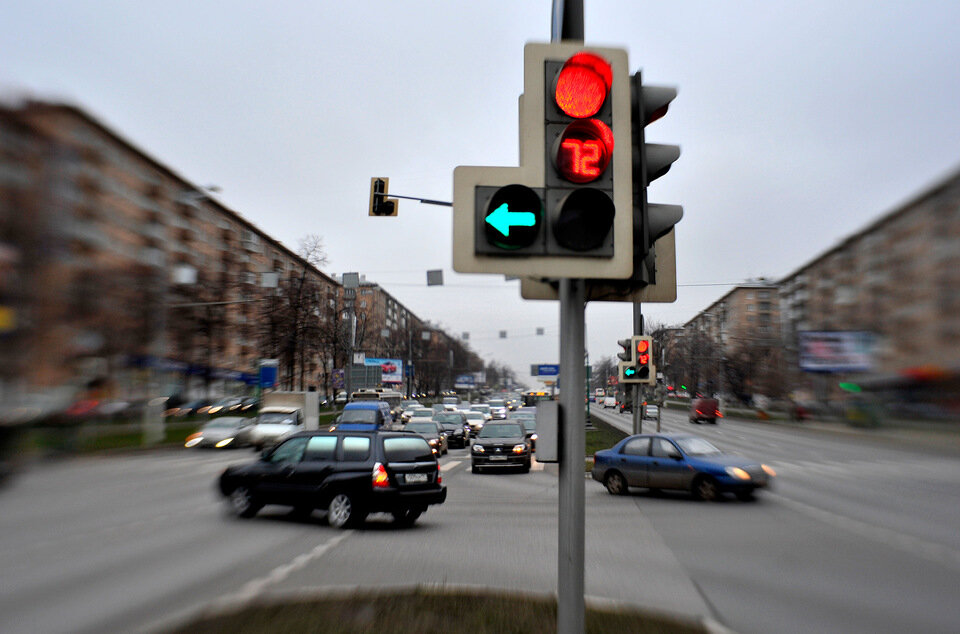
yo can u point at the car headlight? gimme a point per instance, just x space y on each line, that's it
433 441
533 436
769 470
224 442
193 439
522 447
478 448
738 473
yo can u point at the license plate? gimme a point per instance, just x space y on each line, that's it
498 457
416 478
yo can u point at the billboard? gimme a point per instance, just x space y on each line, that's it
392 369
835 351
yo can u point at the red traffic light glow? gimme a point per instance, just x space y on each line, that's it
582 85
642 346
583 151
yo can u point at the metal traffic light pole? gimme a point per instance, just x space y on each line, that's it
571 619
636 411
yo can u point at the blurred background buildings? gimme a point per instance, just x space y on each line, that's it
121 279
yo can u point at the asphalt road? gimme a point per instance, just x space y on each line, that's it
858 536
859 533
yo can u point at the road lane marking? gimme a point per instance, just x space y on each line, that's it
255 587
446 466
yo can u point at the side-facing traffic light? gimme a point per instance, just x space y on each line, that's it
650 162
380 205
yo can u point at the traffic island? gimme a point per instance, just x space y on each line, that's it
426 609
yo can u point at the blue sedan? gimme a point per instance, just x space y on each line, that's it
678 461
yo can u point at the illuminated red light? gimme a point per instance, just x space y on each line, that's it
643 345
584 151
643 359
583 84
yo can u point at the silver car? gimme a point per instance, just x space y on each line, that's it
225 432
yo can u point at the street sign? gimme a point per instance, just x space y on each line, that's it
548 370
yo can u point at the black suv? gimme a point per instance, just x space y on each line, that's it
456 427
348 473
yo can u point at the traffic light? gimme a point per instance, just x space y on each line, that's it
639 368
650 162
567 210
627 353
380 205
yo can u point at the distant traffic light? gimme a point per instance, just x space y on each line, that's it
380 205
639 367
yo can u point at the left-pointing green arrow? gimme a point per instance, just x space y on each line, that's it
502 219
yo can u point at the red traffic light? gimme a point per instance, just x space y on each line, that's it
642 346
583 84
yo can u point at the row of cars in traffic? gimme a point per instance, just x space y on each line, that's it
366 462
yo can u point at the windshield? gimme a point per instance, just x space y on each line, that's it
277 418
422 428
697 447
501 430
495 403
358 416
423 413
448 418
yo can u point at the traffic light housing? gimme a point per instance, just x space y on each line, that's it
380 205
566 211
627 353
639 368
653 277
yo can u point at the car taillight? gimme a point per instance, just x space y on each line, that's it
718 414
439 476
380 478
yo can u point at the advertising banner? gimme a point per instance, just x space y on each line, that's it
392 369
835 351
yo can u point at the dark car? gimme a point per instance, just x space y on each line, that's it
678 461
456 427
501 444
432 432
529 430
705 409
350 474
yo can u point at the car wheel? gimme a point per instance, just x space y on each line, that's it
525 468
615 483
406 517
475 469
243 503
705 488
342 511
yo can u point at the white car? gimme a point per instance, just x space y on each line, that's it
651 412
274 424
475 420
609 401
421 415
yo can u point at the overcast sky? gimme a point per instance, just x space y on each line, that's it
799 121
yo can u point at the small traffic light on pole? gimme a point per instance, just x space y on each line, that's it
627 353
639 368
380 205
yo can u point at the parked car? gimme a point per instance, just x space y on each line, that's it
705 409
456 428
225 405
432 432
500 444
224 432
186 409
350 474
678 461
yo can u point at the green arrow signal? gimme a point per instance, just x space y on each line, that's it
502 219
629 372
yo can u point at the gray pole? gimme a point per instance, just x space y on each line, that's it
570 563
637 414
567 24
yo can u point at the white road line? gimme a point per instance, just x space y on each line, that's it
255 587
449 465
